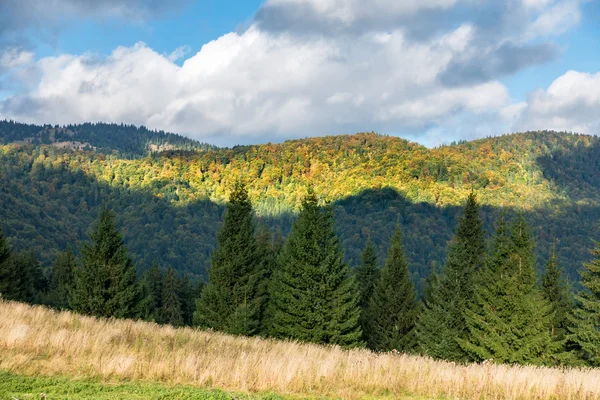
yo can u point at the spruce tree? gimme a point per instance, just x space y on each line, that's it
105 284
393 307
187 297
442 321
7 271
584 328
556 292
230 302
151 287
367 275
314 298
509 320
170 311
268 250
62 275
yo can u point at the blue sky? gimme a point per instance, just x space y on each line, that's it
432 71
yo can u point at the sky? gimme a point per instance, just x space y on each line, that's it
233 72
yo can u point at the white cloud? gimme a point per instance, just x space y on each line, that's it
571 103
280 84
14 57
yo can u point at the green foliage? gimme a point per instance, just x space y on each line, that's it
151 288
62 279
584 329
555 291
367 274
7 272
268 249
105 284
393 308
170 310
314 298
14 386
442 320
231 302
509 321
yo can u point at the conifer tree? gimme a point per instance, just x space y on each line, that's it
7 271
367 275
393 308
509 320
151 287
105 284
62 275
584 328
187 297
268 250
314 298
230 301
443 318
170 310
556 292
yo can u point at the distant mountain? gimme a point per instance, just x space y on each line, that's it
170 203
128 140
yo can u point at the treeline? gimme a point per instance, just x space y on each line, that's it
128 140
486 304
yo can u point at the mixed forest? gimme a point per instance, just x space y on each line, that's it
169 192
487 303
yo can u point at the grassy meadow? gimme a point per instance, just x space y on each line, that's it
66 355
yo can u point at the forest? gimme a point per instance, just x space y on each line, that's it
169 203
488 303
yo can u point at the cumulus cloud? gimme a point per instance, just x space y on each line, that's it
571 103
308 67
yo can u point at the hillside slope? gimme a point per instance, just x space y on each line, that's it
170 203
39 342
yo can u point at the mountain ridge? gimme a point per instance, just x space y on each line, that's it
170 203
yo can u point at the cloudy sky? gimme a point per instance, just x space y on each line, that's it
248 71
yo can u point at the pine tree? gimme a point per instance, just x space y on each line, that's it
509 320
556 292
170 310
584 329
230 301
62 275
442 321
393 308
7 271
268 250
187 297
314 298
151 293
105 284
367 275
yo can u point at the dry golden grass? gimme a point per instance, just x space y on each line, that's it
35 340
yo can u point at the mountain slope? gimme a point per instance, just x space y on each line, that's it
170 203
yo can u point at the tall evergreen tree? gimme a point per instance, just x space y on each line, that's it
62 275
268 249
230 302
584 329
393 308
170 310
556 292
187 297
151 287
7 271
443 318
105 284
314 298
509 320
367 275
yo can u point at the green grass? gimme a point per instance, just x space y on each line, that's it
24 387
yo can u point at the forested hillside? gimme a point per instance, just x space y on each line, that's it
127 140
170 203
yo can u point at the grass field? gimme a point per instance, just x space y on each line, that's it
149 361
58 388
